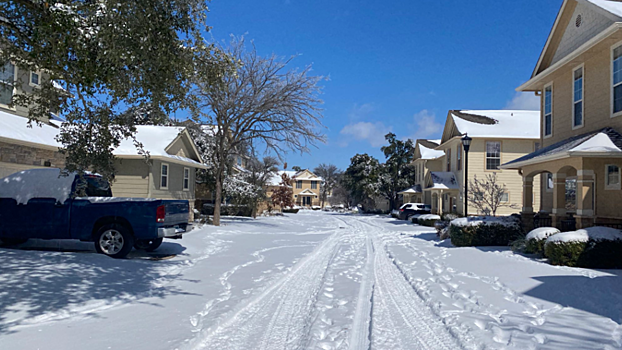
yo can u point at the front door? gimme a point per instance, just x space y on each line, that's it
306 200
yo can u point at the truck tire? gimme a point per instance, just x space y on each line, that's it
12 241
148 244
114 240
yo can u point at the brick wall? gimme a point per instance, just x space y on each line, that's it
31 156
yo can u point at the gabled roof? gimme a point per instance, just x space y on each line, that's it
413 190
155 139
427 149
606 143
515 124
610 16
441 180
309 192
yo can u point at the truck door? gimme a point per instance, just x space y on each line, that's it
44 218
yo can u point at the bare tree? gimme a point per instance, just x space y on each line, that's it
258 102
260 172
488 195
330 175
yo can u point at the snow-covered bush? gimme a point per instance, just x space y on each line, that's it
485 231
535 240
450 216
593 247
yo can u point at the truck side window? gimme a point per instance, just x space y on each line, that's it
97 187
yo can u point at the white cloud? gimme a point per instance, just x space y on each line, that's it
426 125
366 131
524 101
359 112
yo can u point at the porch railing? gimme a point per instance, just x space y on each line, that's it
609 224
568 225
542 222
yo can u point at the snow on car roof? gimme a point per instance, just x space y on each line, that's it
498 123
39 183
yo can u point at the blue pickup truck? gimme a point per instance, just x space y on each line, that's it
39 203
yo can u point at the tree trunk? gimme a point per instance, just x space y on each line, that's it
217 201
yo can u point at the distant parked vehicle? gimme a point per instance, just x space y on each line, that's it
38 203
410 209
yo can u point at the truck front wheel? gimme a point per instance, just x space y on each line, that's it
148 244
114 240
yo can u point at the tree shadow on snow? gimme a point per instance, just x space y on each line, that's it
600 295
39 281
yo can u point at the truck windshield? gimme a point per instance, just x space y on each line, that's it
97 187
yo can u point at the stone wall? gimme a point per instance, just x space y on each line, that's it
29 157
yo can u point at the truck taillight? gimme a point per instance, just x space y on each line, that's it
160 213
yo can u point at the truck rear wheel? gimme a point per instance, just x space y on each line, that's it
114 240
148 244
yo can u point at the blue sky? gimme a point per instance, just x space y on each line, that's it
396 65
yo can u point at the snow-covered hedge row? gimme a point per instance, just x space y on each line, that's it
593 247
536 239
485 231
425 219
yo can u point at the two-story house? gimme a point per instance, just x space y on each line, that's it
498 136
305 185
426 158
578 77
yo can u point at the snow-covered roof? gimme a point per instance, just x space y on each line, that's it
40 183
443 180
498 123
155 139
607 142
413 190
429 152
16 128
613 7
275 179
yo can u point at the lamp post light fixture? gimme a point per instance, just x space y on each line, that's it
466 143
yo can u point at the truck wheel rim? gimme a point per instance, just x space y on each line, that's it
111 242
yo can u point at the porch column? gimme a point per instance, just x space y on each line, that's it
559 199
527 212
441 203
585 194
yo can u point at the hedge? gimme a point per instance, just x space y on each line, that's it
603 254
429 223
535 246
484 235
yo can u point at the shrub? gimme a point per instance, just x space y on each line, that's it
428 222
536 239
602 254
450 216
492 234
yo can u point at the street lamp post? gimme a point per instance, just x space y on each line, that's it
466 143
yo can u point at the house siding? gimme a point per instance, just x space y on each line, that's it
15 157
131 179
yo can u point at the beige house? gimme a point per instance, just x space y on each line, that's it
168 174
305 185
498 136
579 80
425 159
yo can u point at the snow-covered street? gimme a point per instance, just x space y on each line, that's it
308 281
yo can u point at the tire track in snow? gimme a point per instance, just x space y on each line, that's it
403 306
278 318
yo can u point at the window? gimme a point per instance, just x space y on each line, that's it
548 110
313 185
449 159
493 155
549 182
617 80
299 184
34 78
7 77
459 155
164 176
186 179
612 179
577 100
505 197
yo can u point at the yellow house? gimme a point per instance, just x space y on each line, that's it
426 159
498 136
305 185
579 80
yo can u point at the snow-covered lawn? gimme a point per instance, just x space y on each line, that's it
312 280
